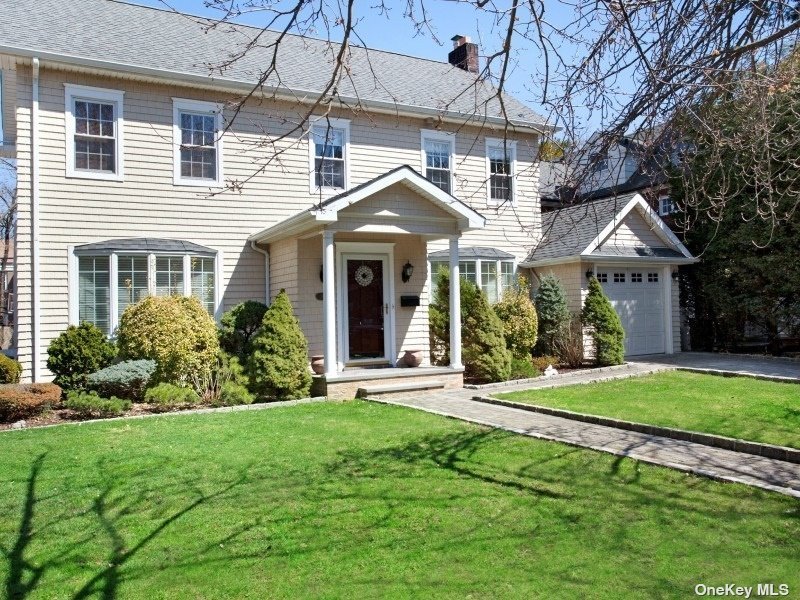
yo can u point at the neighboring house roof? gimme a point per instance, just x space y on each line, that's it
164 43
473 252
552 176
143 245
328 210
580 232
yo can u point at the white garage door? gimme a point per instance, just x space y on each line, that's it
638 297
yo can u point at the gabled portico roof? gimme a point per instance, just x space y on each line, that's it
327 211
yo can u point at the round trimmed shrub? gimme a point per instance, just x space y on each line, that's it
553 313
234 394
279 365
606 328
168 396
174 331
10 369
239 325
518 315
78 351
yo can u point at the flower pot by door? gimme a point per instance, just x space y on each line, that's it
318 364
412 358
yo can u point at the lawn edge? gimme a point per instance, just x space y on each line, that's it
783 453
192 411
786 491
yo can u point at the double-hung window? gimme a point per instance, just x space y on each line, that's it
329 146
107 281
197 129
94 127
438 157
501 158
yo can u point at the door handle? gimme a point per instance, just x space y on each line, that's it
386 308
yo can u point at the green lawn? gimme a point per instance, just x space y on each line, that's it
361 500
740 407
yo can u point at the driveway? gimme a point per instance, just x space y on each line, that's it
732 363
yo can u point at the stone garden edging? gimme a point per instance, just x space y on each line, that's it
717 441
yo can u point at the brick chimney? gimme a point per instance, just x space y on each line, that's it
464 54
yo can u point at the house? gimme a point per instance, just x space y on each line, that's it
139 174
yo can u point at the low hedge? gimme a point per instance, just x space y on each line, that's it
168 396
20 401
89 404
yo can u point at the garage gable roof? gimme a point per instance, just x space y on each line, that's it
580 231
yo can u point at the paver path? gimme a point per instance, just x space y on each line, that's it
726 465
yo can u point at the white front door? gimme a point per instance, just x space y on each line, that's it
637 294
366 306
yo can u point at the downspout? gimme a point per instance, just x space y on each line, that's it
36 317
255 247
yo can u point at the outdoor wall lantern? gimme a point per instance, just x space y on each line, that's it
675 275
407 272
589 274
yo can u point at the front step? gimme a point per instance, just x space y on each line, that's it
397 388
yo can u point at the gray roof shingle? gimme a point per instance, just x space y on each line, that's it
144 245
473 252
132 36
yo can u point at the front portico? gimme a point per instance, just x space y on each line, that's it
355 268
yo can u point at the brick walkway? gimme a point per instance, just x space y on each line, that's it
725 465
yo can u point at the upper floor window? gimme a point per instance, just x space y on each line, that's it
330 140
500 166
94 127
198 145
666 206
438 156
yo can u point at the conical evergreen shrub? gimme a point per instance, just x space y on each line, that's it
278 366
554 317
483 345
518 316
606 328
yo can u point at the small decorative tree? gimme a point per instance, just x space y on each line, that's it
78 351
554 317
518 315
606 328
483 346
279 364
239 325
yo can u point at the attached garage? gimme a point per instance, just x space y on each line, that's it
637 295
632 253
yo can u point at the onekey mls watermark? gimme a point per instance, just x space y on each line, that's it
762 590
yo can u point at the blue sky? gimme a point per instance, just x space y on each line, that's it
394 32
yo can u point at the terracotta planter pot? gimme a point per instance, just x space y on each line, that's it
318 364
412 358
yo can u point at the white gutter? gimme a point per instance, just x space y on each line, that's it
255 247
614 258
36 316
281 93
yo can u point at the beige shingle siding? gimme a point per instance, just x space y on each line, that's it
634 231
9 99
78 211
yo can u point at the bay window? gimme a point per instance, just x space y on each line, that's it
492 275
108 277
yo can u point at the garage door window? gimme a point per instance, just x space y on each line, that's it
602 277
619 277
652 278
636 278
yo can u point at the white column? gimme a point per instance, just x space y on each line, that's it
328 303
455 306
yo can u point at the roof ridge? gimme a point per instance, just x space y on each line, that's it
173 11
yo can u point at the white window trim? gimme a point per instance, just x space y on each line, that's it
74 92
344 125
73 311
438 136
207 108
512 149
661 211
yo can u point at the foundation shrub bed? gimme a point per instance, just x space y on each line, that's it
77 352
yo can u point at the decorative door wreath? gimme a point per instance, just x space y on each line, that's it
364 275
